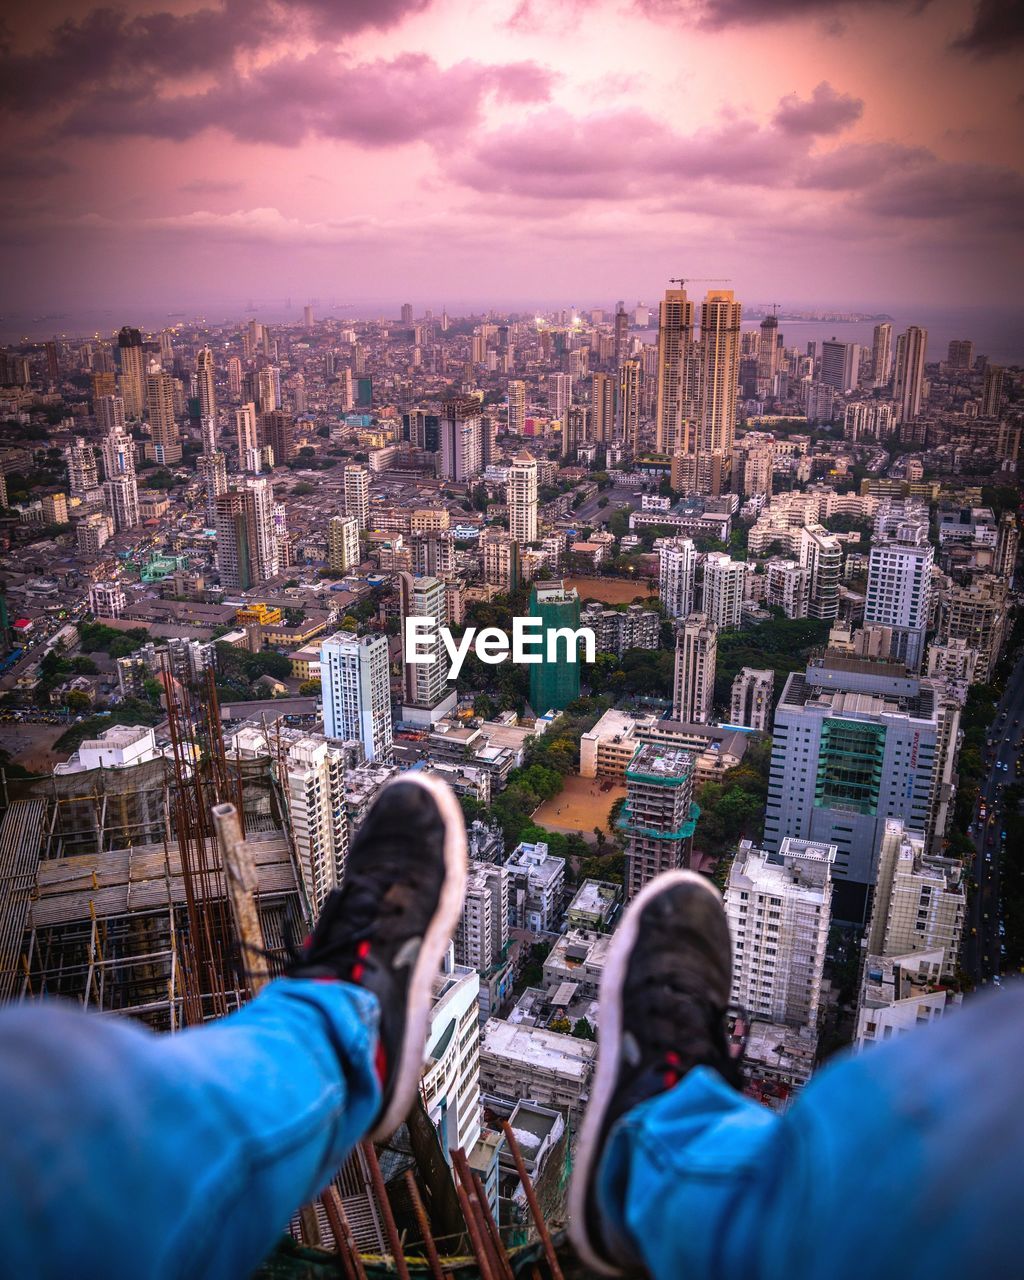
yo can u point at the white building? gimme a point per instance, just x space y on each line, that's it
722 597
118 747
751 700
787 587
315 784
427 693
120 487
342 543
822 555
778 912
537 881
522 499
677 567
899 579
450 1084
356 694
483 931
899 993
519 1063
106 599
694 680
357 494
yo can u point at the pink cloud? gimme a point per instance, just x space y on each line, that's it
826 111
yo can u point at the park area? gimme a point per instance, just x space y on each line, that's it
580 806
612 590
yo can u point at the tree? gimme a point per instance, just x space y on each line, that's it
309 688
153 690
75 700
582 1030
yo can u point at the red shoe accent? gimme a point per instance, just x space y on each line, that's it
380 1063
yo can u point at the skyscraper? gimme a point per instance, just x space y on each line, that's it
767 355
164 445
277 430
853 743
133 371
778 909
696 659
120 488
821 554
602 407
522 499
899 582
960 354
234 378
908 386
678 373
677 565
659 816
559 394
720 317
342 544
81 461
461 453
881 354
722 596
629 405
992 396
356 692
751 699
553 685
840 365
246 542
620 347
205 383
247 438
357 494
516 407
427 693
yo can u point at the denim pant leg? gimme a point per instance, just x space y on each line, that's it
903 1161
125 1153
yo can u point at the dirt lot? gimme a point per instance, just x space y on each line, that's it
30 745
611 590
581 806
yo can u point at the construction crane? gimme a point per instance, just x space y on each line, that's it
682 282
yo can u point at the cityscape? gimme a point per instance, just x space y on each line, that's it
264 554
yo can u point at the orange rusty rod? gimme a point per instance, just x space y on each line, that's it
531 1199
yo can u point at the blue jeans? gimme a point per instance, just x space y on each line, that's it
903 1161
127 1154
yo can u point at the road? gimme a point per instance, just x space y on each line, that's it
981 943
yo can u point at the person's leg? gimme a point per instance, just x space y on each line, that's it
126 1153
904 1161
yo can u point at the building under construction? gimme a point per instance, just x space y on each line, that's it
118 891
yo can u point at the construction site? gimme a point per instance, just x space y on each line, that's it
168 892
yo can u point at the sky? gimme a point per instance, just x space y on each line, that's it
510 153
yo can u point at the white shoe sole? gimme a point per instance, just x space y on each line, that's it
428 962
609 1041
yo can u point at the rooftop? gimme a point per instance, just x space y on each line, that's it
537 1047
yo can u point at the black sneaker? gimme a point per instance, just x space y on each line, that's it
388 926
664 995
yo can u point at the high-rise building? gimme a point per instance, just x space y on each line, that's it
120 487
677 568
767 355
977 612
357 494
461 453
1007 547
722 594
212 470
559 394
853 742
960 354
522 499
908 387
205 384
268 389
787 587
575 428
234 377
602 407
554 684
81 462
247 550
620 336
919 901
342 544
109 412
821 554
630 405
720 317
659 816
751 700
778 911
314 778
899 582
500 555
693 685
277 430
840 365
992 395
516 407
164 445
356 692
483 931
678 385
247 437
881 354
133 371
427 693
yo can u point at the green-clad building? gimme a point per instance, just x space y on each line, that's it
553 685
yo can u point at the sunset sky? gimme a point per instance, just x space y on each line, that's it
511 153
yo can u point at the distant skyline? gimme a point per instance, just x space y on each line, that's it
844 153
